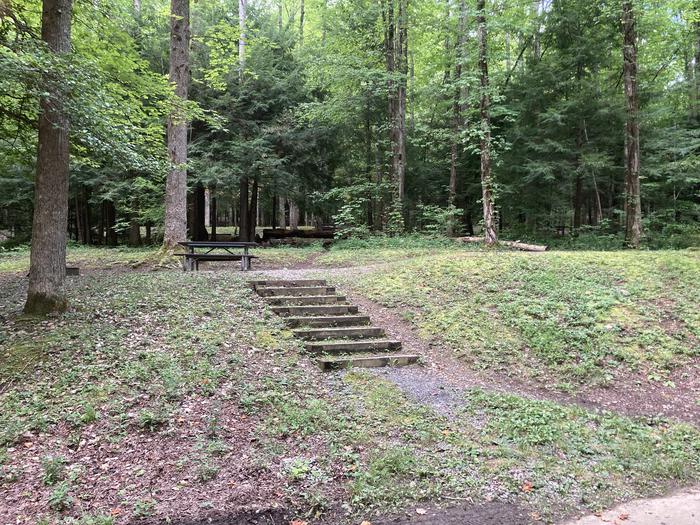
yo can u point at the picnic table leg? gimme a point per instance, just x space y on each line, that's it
245 260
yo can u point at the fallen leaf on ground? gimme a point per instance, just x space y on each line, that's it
624 516
527 487
366 523
298 522
421 511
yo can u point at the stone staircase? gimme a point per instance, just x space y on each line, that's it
332 329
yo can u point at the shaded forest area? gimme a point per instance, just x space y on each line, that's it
528 119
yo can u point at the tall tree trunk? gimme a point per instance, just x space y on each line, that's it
207 203
293 215
200 213
281 212
242 13
134 233
275 202
633 207
47 266
253 212
599 205
243 215
490 235
279 17
396 55
369 160
578 180
82 215
110 218
456 112
176 183
695 98
301 23
578 201
213 213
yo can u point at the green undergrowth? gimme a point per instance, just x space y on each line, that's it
136 348
156 336
392 453
378 249
569 316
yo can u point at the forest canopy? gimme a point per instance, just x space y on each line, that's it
368 115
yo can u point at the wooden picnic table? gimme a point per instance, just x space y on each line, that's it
225 251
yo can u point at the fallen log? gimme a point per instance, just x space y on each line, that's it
511 244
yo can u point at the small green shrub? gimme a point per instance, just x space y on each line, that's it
144 508
54 470
60 498
152 420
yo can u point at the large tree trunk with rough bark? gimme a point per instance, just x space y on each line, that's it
396 55
633 206
456 112
47 267
176 183
490 235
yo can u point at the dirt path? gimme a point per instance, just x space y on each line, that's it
682 508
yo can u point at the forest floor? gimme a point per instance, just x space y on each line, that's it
551 385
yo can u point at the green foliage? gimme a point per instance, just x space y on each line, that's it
439 221
144 508
54 470
582 317
60 499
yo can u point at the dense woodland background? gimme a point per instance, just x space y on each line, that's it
307 120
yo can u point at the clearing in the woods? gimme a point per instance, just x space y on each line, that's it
548 386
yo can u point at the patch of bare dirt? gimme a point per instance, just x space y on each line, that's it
485 514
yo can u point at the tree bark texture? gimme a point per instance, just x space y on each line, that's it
47 267
490 235
176 183
456 112
396 54
633 206
242 13
301 22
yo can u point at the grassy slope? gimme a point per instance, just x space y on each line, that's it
566 316
196 367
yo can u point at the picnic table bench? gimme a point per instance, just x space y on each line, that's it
226 251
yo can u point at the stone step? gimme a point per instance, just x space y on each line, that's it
372 361
309 299
339 347
314 310
363 332
328 321
295 291
288 283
